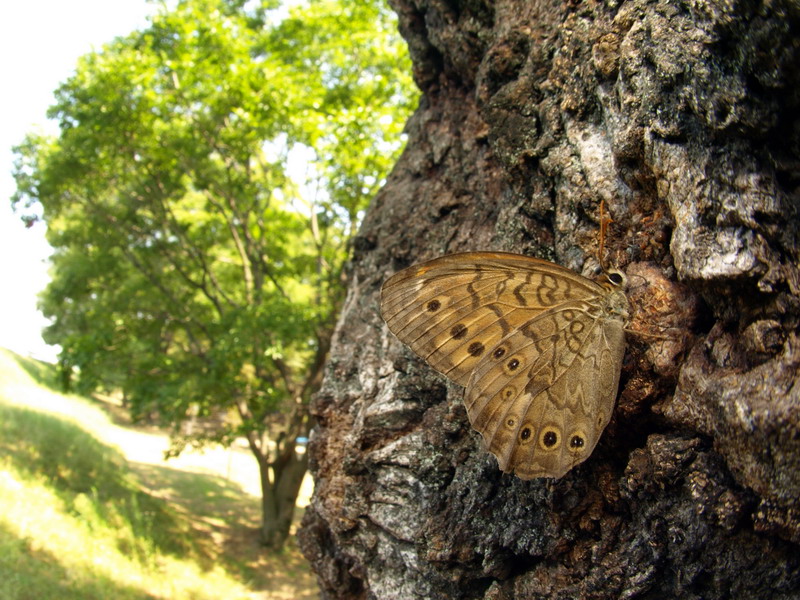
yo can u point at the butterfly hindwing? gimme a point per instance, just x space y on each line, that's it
543 396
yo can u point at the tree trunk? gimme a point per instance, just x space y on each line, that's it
682 118
280 485
281 470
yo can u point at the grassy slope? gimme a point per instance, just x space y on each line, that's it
78 521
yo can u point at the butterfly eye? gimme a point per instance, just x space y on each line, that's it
615 278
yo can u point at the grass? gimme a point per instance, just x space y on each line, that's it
77 520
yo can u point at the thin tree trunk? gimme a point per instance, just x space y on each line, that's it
280 486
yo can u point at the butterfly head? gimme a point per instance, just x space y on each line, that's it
615 280
616 302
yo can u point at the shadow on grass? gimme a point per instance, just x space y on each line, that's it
79 468
219 512
205 495
49 376
30 572
199 516
228 517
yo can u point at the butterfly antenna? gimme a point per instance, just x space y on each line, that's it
604 221
653 336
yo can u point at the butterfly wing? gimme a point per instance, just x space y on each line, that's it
545 393
454 310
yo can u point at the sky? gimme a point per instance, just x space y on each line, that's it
40 43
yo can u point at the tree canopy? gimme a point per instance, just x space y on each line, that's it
209 174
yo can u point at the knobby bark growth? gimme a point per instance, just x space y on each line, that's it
682 119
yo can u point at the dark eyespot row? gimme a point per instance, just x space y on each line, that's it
549 438
475 349
525 431
577 442
433 305
458 331
512 364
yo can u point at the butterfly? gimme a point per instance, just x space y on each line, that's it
538 348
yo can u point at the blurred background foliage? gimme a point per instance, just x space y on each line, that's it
209 175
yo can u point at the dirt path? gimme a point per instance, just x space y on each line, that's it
147 445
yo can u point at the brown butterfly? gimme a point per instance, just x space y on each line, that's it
538 348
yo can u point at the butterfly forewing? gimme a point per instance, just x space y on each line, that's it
453 309
538 347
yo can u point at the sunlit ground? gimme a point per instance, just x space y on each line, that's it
88 522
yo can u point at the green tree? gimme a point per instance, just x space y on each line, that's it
192 270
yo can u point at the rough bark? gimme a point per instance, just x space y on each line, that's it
682 118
